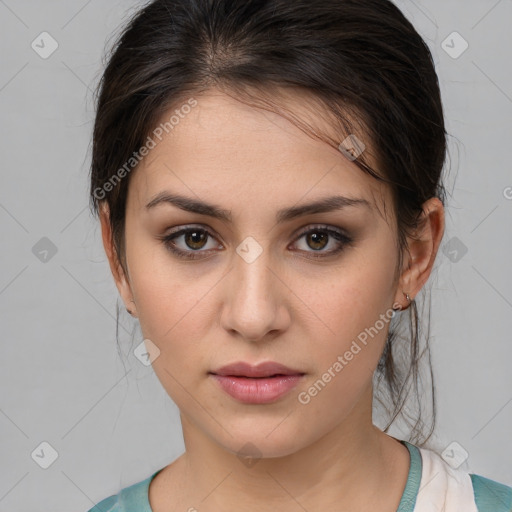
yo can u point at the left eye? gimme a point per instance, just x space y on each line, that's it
316 238
319 237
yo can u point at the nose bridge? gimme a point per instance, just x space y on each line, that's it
252 273
252 305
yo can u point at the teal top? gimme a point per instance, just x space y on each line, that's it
490 496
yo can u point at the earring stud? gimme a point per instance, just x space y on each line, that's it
408 298
129 310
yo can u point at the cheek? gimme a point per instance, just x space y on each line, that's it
359 316
173 312
169 294
174 318
356 308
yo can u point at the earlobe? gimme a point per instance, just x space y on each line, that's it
130 311
118 273
422 249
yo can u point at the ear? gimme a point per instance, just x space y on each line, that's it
422 249
122 283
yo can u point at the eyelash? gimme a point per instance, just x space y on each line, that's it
340 236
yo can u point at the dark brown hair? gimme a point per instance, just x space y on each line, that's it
363 62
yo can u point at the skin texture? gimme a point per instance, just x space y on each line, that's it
285 306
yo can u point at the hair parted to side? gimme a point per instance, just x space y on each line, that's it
363 63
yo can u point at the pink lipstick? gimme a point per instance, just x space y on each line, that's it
260 384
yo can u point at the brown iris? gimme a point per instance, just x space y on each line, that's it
317 240
197 239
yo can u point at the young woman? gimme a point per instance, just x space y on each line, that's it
267 174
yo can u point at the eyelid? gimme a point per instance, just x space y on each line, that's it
320 227
189 227
298 234
343 240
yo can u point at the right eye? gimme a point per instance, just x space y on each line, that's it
194 240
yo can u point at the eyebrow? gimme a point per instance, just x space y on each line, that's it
324 205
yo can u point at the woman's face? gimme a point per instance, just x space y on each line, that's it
311 291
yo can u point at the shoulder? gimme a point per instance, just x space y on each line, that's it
434 484
454 487
491 496
130 499
109 504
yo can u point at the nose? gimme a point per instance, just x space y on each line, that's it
255 305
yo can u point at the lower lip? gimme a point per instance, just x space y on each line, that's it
257 391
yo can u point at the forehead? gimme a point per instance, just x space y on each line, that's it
223 148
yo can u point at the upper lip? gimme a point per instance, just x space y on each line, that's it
266 369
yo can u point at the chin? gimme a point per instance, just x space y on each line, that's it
263 441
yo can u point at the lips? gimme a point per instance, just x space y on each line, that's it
264 383
262 370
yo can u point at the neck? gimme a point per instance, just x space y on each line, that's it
349 468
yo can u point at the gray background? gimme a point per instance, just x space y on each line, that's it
111 423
